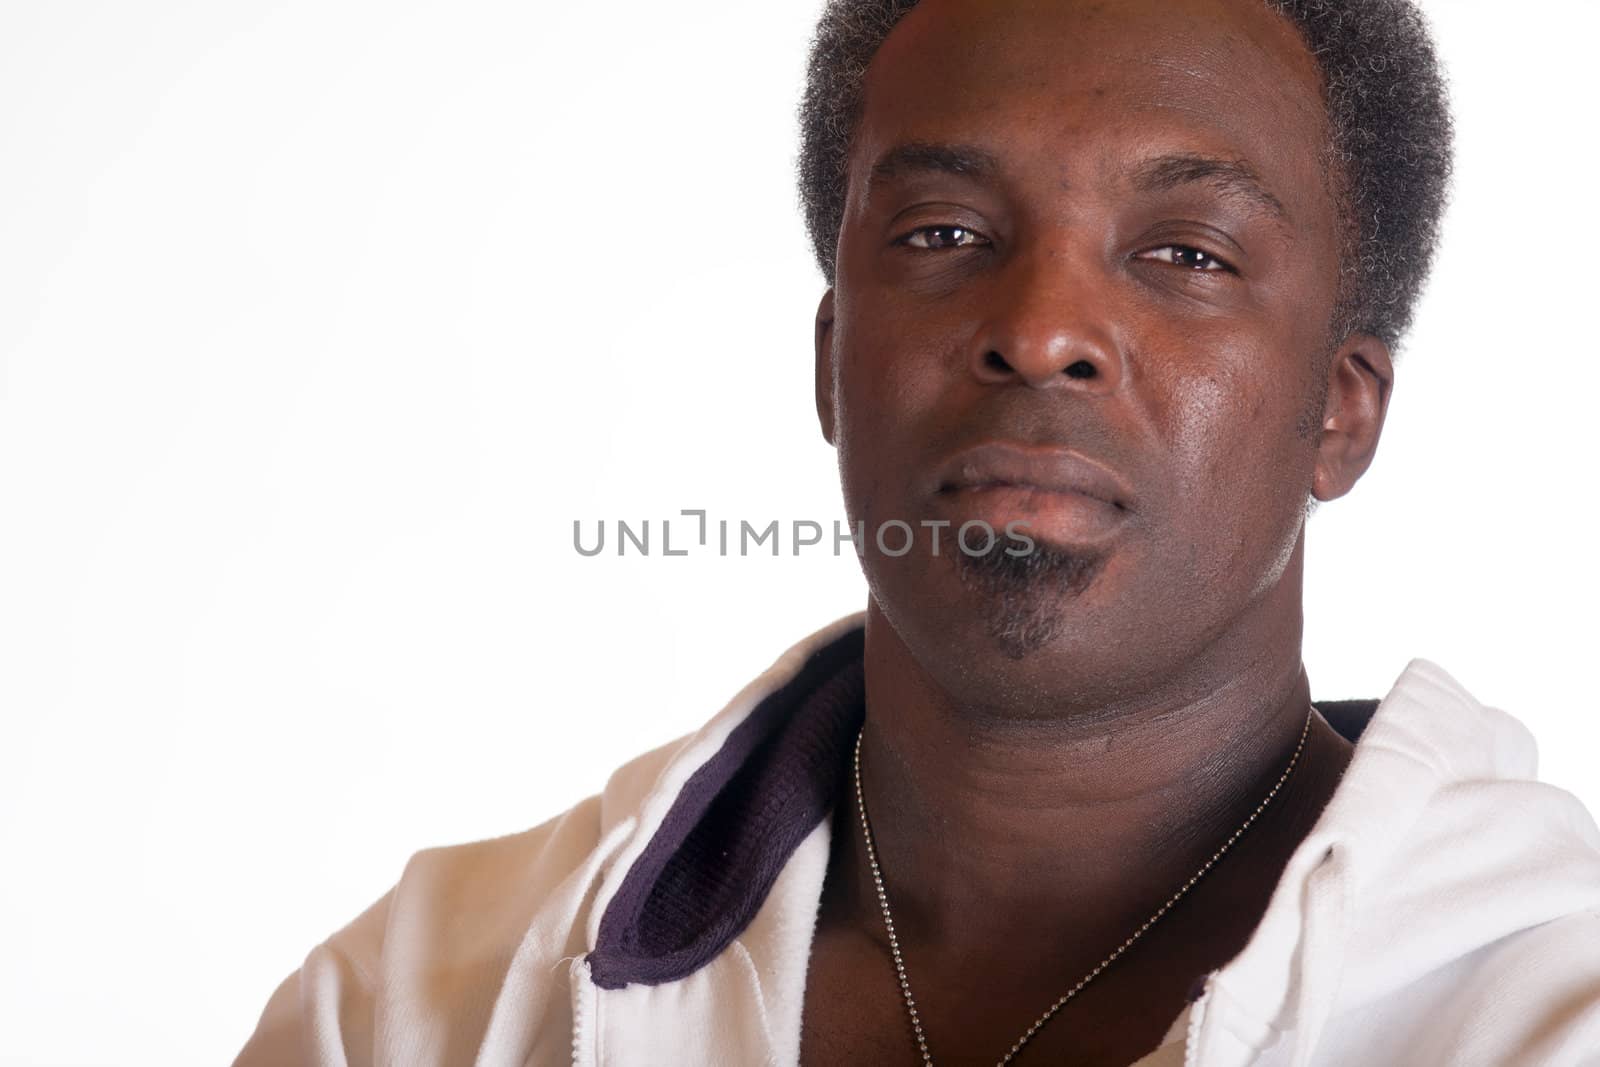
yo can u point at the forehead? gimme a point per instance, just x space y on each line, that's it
1081 86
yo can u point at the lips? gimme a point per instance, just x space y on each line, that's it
1047 493
1038 469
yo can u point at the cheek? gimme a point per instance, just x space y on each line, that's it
883 390
1198 424
893 372
1241 470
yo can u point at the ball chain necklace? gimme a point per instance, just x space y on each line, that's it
1050 1012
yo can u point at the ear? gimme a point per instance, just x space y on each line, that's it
1360 379
824 343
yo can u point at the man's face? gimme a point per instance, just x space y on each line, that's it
1085 279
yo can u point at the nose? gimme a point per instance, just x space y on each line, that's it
1047 325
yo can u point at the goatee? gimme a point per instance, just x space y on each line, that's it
1024 597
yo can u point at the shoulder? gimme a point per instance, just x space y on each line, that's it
1531 998
504 884
473 901
462 923
467 925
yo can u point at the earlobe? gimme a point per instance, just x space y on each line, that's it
1360 379
824 367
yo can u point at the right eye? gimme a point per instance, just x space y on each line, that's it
940 238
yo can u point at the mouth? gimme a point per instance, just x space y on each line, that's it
1001 464
1047 493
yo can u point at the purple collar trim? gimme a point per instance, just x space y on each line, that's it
703 876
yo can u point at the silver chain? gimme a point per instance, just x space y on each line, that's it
1050 1012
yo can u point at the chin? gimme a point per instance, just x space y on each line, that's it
1023 603
1018 635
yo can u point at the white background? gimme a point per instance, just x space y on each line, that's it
321 321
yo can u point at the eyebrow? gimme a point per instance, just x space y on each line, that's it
924 157
1233 177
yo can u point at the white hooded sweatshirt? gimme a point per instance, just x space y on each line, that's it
1444 910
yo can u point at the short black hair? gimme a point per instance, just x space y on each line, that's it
1389 129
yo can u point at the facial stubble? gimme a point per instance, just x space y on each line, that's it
1024 598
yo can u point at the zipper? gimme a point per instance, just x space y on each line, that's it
1197 1012
584 1037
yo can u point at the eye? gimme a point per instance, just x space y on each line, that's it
939 238
1184 256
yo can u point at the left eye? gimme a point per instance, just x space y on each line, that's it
940 237
1184 256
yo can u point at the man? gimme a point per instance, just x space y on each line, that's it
1124 279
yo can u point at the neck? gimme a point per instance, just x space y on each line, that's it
1075 830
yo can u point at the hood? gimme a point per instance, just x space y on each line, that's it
1436 848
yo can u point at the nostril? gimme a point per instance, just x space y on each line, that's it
1081 369
994 361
